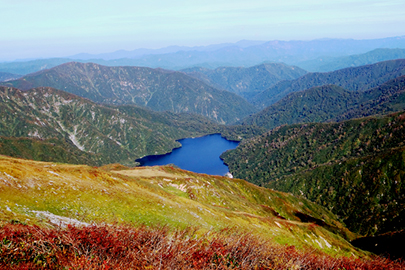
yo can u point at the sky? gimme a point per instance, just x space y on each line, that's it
57 28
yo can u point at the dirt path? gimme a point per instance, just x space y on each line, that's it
148 172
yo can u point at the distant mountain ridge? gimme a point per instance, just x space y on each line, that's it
354 79
246 82
290 52
331 103
157 89
5 76
325 64
170 49
242 53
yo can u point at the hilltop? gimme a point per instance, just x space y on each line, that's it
326 64
5 76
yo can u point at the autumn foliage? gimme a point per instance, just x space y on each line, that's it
125 247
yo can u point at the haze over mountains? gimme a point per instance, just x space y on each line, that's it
246 82
309 55
326 64
247 53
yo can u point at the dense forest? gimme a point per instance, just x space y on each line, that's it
332 163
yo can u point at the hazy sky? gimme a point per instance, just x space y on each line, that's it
52 28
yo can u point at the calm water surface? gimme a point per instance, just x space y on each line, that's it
199 155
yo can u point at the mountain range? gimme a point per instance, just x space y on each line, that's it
308 55
331 103
246 82
160 90
52 125
333 140
353 79
326 64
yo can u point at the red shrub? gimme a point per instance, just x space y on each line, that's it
124 247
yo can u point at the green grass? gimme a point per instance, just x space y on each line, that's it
178 200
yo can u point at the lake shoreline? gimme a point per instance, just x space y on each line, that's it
200 154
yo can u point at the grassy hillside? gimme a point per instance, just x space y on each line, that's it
338 165
38 193
353 79
331 103
158 89
246 82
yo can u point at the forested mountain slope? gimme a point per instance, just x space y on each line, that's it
160 90
356 168
331 103
49 124
5 76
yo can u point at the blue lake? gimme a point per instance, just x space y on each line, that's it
200 155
